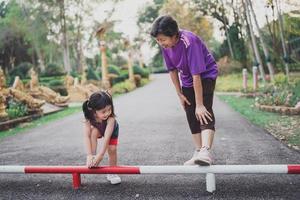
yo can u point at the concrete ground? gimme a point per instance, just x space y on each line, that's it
153 131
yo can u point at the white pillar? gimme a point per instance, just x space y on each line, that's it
255 78
210 182
245 79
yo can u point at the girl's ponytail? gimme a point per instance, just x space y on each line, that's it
87 111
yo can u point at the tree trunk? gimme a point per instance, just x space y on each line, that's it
41 61
253 40
226 32
65 42
266 52
285 56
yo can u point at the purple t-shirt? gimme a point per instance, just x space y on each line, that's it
190 56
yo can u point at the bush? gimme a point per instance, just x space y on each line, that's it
227 66
21 70
74 73
280 79
144 73
92 75
158 70
54 83
16 109
123 87
53 69
281 93
112 69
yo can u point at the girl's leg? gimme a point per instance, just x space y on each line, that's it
94 137
112 155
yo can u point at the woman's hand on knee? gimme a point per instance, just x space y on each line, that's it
183 100
202 114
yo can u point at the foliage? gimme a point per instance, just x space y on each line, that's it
188 18
21 70
16 109
159 70
229 66
53 69
92 74
122 77
112 69
54 83
143 72
123 87
280 93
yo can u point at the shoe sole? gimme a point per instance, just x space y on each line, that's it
202 163
115 183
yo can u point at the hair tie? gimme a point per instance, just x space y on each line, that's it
107 93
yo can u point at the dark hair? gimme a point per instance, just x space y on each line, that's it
164 25
97 101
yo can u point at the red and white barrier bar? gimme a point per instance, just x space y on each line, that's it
208 170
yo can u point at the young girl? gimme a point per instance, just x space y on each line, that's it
100 122
185 53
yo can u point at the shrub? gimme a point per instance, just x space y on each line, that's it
227 66
280 79
112 69
16 109
92 75
123 87
53 69
144 73
54 83
21 70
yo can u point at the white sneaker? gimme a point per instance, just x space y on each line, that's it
192 160
113 178
204 157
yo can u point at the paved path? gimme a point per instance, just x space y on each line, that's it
153 132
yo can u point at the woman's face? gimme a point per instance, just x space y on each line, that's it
104 113
166 41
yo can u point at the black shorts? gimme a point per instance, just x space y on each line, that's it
208 87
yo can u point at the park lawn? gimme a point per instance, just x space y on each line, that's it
40 121
283 127
232 83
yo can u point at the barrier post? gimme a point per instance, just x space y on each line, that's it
76 180
210 182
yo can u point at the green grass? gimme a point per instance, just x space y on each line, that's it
279 125
246 107
40 121
232 83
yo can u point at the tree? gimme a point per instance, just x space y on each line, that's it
253 40
188 19
285 56
265 50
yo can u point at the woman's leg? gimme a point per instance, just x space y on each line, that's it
197 140
207 136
